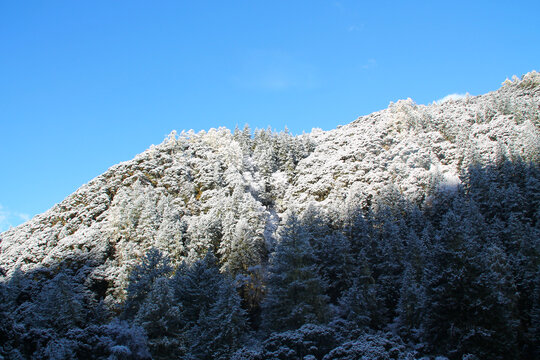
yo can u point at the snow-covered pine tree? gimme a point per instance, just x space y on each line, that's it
412 299
492 329
211 313
160 317
221 327
61 304
295 291
331 249
466 284
154 265
243 244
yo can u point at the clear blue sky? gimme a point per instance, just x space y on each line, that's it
87 84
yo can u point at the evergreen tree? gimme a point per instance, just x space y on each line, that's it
295 291
242 245
8 333
61 304
196 286
470 292
115 340
492 330
362 306
332 251
220 328
160 316
533 333
410 307
213 320
451 270
141 279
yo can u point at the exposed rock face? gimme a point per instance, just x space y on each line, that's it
196 191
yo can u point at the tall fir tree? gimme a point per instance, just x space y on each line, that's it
295 291
331 249
61 304
214 321
160 317
154 265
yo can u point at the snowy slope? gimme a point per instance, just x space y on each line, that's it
407 145
175 195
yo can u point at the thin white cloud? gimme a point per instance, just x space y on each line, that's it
24 217
4 224
452 97
370 64
10 218
275 71
354 28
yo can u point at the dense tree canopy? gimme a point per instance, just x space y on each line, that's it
413 232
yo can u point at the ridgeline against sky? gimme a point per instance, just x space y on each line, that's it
413 231
88 85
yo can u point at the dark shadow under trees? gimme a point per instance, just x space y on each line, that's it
457 275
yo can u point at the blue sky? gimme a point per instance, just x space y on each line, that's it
85 85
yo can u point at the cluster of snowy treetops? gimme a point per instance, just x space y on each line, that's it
458 276
226 245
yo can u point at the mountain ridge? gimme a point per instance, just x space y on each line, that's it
410 233
405 146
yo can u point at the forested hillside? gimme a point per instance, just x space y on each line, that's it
411 232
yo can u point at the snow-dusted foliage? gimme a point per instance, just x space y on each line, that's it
413 231
371 347
295 291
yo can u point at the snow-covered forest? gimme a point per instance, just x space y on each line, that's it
410 233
